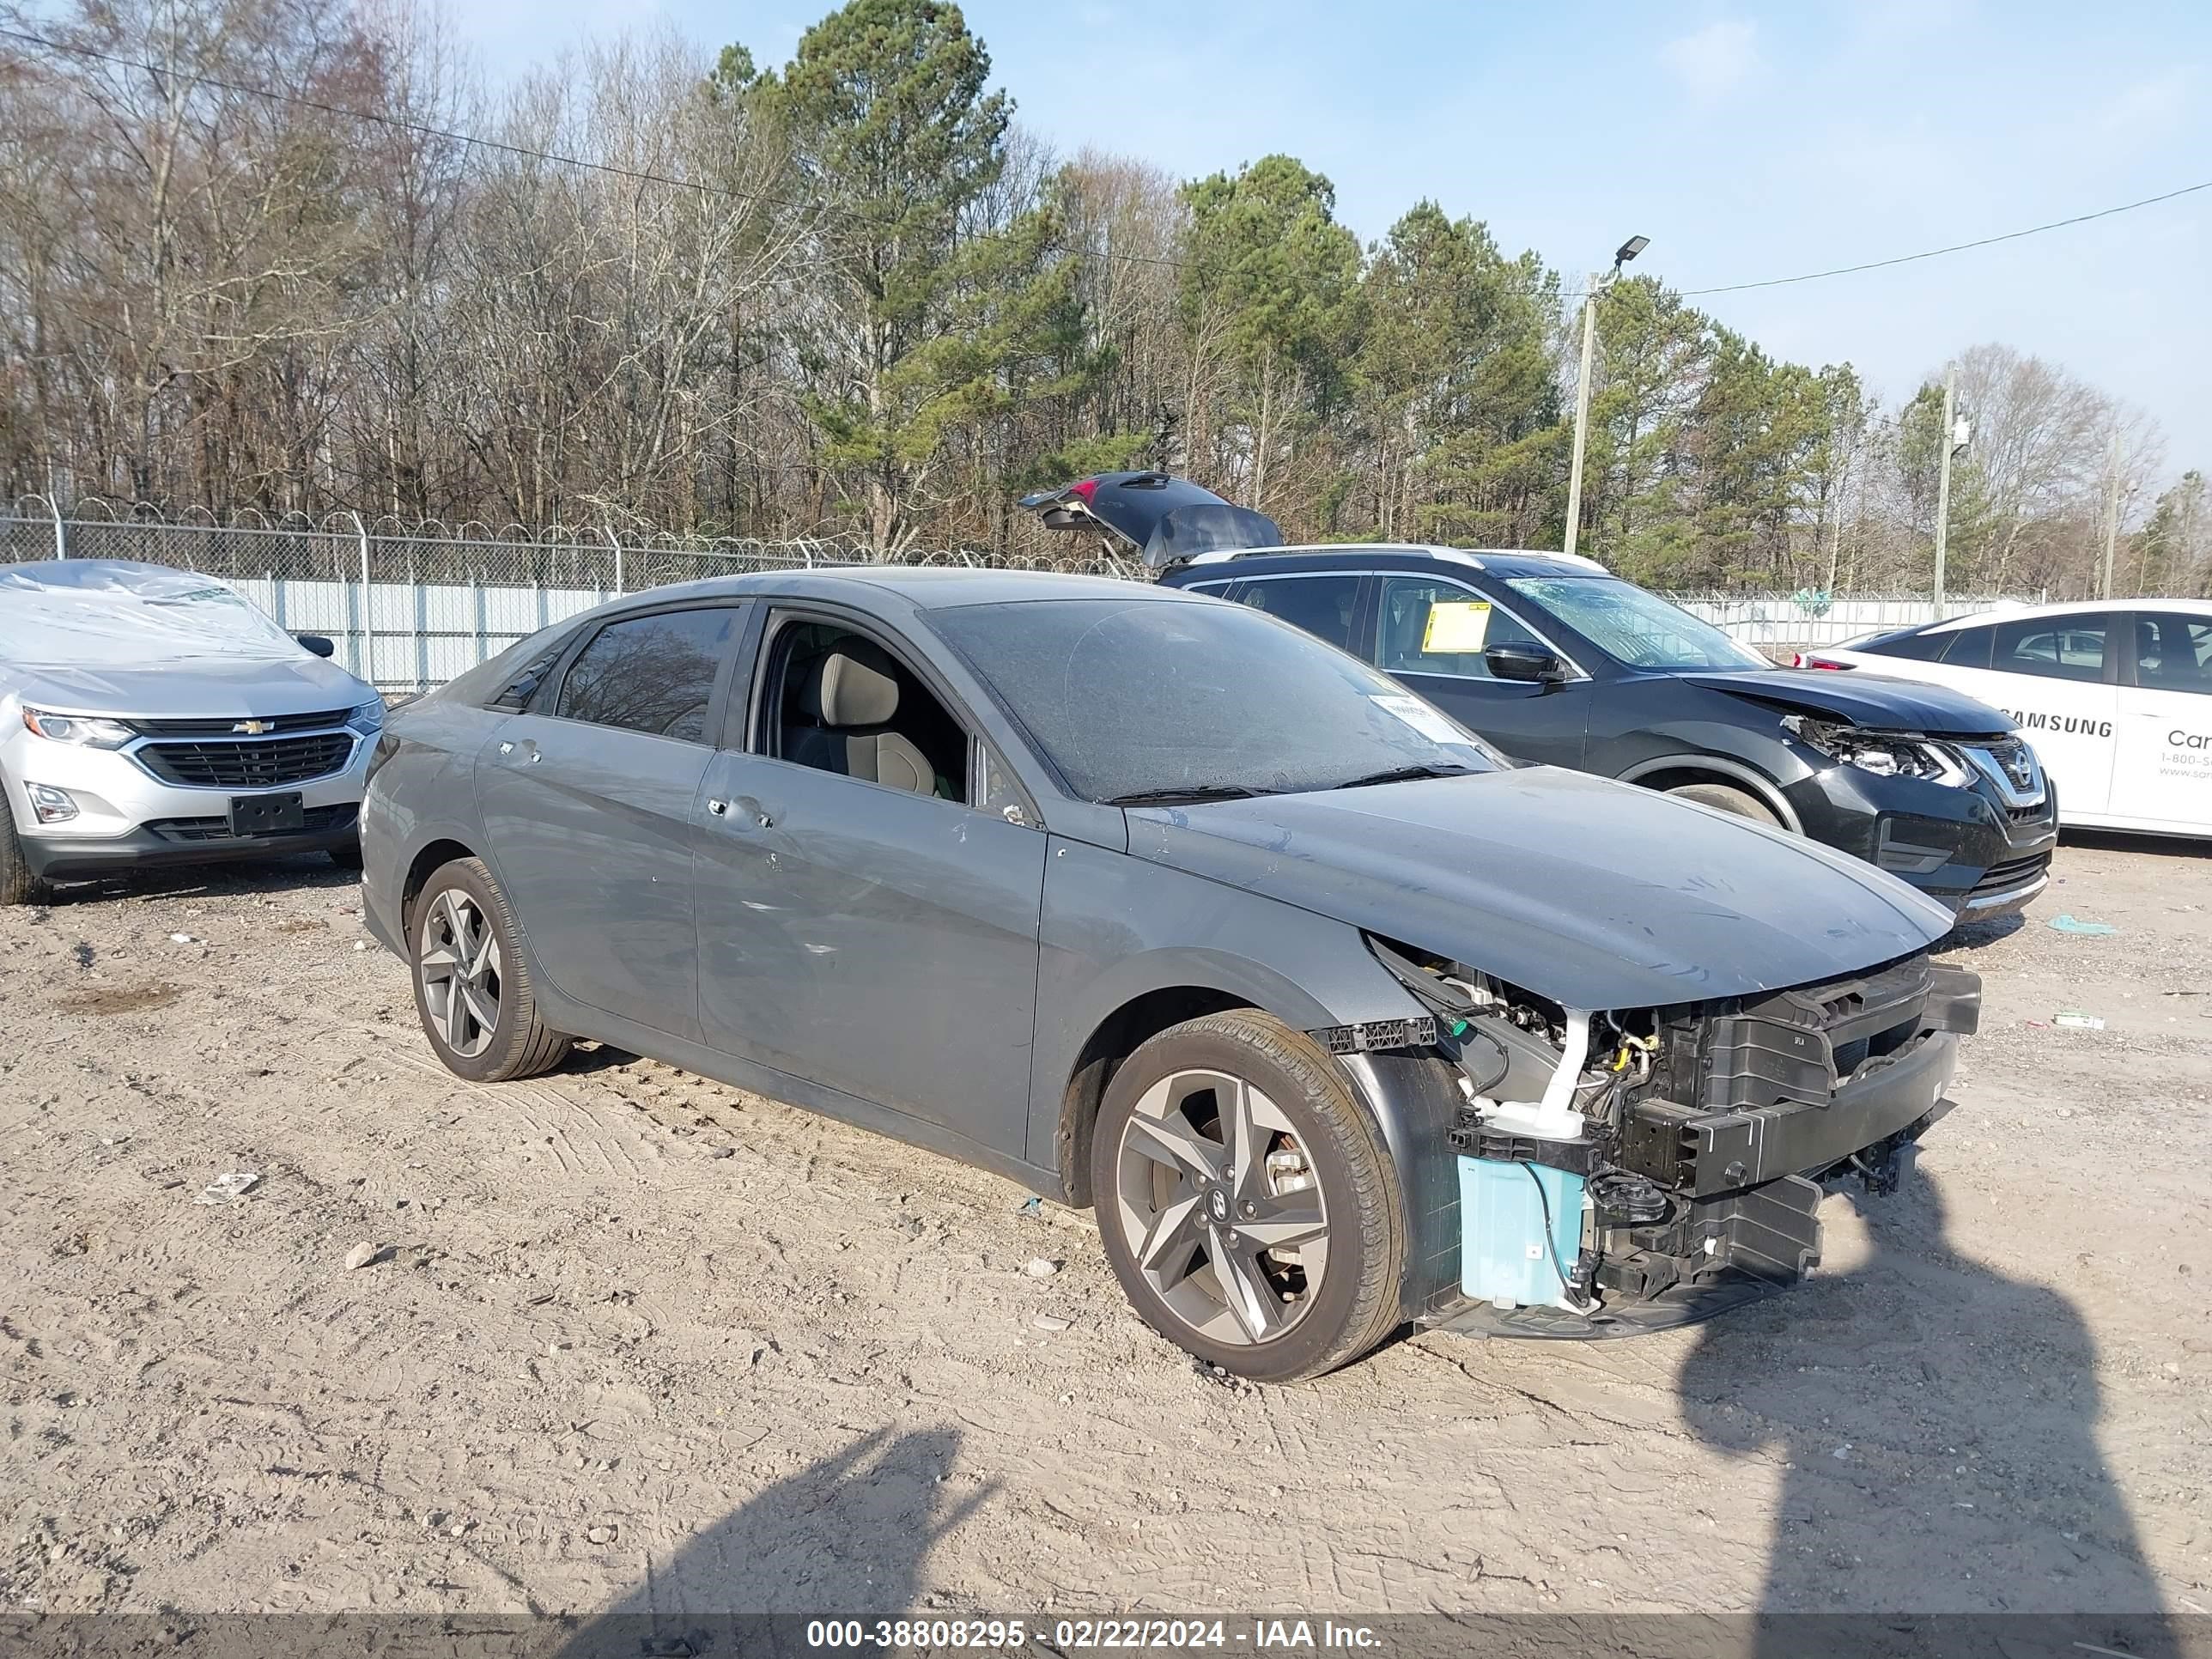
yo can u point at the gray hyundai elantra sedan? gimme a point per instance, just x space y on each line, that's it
1154 903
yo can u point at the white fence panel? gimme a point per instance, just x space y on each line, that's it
437 604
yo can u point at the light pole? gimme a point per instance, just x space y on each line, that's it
1956 435
1627 251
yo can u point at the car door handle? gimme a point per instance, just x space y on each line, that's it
531 756
721 809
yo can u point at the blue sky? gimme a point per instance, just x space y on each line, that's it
1746 142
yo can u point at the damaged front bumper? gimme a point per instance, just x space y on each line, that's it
1698 1190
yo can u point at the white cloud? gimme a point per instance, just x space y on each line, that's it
1715 60
2154 108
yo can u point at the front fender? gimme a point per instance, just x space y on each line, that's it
1705 760
1116 929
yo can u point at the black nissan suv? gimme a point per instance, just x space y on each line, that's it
1557 662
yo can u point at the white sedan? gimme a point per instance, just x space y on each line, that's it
2115 694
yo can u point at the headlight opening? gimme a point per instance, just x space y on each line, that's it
1884 754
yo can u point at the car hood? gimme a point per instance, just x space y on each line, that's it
187 690
1873 701
1596 893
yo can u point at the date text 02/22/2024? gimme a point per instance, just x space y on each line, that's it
1084 1635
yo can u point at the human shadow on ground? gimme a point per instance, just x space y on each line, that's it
1936 1422
847 1537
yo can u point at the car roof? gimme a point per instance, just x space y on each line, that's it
927 588
1497 560
2059 608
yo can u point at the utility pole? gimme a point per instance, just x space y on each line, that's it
1943 482
2111 518
1627 251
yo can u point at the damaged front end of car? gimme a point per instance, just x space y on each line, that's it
1624 1171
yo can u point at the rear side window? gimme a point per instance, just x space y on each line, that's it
1915 647
1324 606
522 685
1968 648
2051 648
653 674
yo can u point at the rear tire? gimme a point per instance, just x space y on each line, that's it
1246 1200
472 989
1725 798
18 886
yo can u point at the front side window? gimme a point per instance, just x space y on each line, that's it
1634 627
1159 697
2051 648
840 703
1434 627
1324 606
2174 653
653 674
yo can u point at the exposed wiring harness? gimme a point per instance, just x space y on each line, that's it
1460 1029
1552 1247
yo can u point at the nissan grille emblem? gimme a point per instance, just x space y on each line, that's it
253 728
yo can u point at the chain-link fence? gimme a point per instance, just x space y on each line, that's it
1781 623
410 606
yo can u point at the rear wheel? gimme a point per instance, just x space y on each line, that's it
1727 798
18 886
472 985
1246 1200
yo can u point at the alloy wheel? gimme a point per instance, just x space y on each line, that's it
1222 1207
460 966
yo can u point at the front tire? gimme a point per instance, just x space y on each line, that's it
472 989
346 856
1727 798
18 886
1246 1200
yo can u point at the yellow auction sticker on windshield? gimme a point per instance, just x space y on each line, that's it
1456 625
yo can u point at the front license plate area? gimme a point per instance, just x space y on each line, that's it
267 815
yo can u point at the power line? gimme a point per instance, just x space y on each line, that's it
1956 247
423 130
636 175
419 128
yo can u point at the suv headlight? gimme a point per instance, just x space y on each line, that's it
1885 754
367 719
85 730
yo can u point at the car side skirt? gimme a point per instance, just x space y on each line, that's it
596 1026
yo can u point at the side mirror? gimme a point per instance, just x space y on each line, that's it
1531 664
321 644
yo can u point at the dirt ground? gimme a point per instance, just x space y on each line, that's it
633 1340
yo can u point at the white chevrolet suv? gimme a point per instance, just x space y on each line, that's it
152 716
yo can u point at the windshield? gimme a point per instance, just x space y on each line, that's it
89 615
1639 628
1153 696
